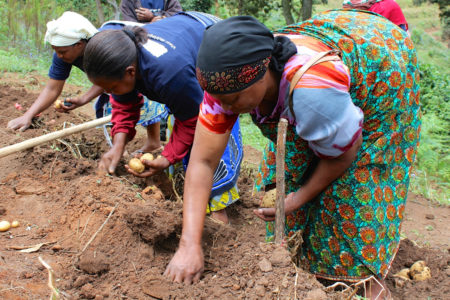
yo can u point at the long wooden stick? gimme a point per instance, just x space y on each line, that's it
279 213
52 136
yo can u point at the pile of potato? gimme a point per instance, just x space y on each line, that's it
6 225
418 272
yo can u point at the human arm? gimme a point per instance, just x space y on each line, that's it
331 123
49 94
325 173
181 93
187 264
124 117
127 9
178 146
92 93
171 7
110 159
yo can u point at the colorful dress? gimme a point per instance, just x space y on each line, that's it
352 229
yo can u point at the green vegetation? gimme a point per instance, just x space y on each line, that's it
22 50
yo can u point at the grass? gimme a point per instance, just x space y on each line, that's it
20 61
251 135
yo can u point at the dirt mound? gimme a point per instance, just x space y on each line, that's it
111 237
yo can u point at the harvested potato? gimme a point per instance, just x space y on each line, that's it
15 224
136 165
424 275
4 226
404 274
417 267
269 198
57 104
146 156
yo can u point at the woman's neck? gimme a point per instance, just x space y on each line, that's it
270 99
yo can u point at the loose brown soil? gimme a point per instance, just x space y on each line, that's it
107 237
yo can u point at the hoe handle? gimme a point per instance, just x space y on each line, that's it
52 136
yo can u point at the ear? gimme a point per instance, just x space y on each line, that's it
80 45
130 71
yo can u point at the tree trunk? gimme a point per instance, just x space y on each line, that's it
240 8
101 15
306 9
287 11
116 9
217 8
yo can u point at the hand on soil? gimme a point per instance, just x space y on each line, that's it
187 265
109 161
22 123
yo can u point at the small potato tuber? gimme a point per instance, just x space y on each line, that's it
424 275
269 198
136 165
4 226
15 224
403 273
417 267
57 104
146 156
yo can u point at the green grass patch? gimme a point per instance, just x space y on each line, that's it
251 135
19 61
11 60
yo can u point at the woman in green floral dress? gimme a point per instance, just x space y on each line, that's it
352 136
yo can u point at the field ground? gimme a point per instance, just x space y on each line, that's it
61 202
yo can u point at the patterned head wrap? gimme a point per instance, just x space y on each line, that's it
69 29
234 54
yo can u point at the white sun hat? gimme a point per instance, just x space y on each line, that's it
69 29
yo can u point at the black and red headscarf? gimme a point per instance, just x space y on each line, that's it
236 52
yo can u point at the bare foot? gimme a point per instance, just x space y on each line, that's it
148 147
220 215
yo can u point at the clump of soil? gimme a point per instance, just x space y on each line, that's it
93 262
111 237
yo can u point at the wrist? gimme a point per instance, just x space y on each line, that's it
120 139
166 161
29 114
300 198
82 100
188 242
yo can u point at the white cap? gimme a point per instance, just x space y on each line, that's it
69 29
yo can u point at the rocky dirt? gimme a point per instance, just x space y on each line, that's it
108 237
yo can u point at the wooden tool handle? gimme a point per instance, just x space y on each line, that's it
279 213
52 136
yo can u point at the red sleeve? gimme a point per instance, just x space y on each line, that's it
181 140
125 116
213 117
